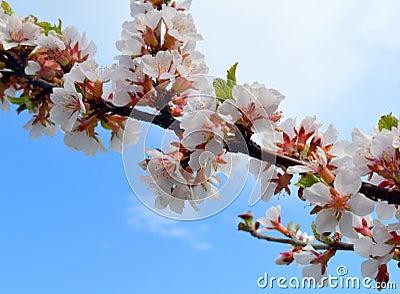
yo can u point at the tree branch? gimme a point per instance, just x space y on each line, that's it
371 191
336 245
166 121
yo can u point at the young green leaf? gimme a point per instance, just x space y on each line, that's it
47 27
25 103
16 100
387 122
231 73
6 7
222 90
308 180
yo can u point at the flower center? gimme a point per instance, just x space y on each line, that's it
17 35
338 203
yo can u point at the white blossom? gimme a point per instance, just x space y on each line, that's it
67 106
127 135
339 204
82 141
38 128
14 31
162 66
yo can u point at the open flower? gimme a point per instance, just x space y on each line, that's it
4 102
339 203
38 127
16 32
85 140
127 133
379 249
267 175
253 105
180 25
68 105
162 66
315 263
173 185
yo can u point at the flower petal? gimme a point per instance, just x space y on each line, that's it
325 221
318 194
347 182
361 205
346 225
369 269
363 246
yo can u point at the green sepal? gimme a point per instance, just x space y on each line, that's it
105 125
247 224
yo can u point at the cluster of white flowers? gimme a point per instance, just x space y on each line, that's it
52 53
252 106
86 80
61 57
339 206
158 45
160 69
173 185
14 32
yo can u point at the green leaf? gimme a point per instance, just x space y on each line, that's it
6 7
387 122
49 27
222 90
59 27
231 73
25 103
308 180
21 108
16 100
29 103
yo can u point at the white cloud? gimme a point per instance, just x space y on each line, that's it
142 219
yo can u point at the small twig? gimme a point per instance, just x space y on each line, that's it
336 245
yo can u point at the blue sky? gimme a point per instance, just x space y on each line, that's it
71 224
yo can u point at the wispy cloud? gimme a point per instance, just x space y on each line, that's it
141 219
